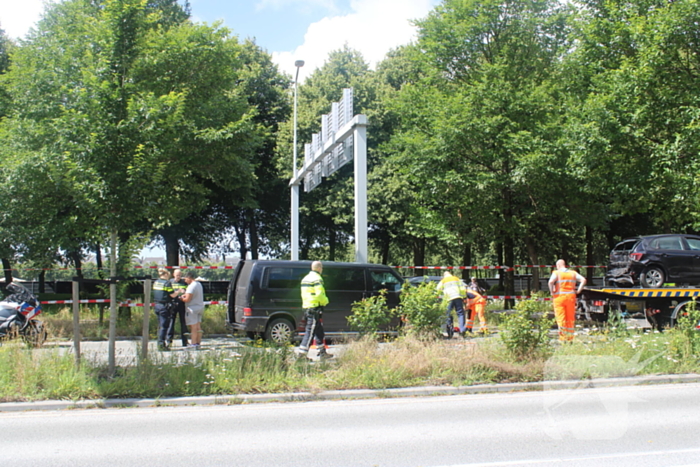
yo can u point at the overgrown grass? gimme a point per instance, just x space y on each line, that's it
365 363
60 324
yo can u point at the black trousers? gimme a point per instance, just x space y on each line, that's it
179 310
314 329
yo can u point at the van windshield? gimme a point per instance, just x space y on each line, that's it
385 280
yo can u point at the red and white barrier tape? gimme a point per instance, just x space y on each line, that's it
132 304
507 268
68 302
185 267
122 304
449 267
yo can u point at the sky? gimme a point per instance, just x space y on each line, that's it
290 30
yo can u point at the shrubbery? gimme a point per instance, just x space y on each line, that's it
370 314
421 310
525 333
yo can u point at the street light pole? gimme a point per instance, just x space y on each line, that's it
295 187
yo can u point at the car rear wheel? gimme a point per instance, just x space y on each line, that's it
653 277
279 331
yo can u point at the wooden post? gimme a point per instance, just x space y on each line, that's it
112 303
76 322
146 317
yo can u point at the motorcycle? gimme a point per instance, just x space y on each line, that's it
18 317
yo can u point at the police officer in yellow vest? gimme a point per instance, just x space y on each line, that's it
562 285
313 297
453 290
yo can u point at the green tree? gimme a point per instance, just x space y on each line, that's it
480 138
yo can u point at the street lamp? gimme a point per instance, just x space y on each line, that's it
298 64
295 185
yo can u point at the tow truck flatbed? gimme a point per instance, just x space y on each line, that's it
659 306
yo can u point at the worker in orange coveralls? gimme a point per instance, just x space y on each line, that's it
476 303
562 285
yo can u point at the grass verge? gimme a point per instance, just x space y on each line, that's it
408 361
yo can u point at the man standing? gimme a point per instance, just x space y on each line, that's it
194 298
163 295
562 286
313 299
179 287
453 290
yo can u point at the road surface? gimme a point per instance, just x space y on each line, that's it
625 426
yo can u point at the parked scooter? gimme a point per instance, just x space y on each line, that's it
18 316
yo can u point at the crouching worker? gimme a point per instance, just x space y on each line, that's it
453 291
476 304
313 297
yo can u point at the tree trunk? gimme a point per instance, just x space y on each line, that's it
419 255
8 270
242 244
42 281
172 249
534 260
386 243
77 263
466 261
98 260
332 243
589 254
253 234
510 276
499 257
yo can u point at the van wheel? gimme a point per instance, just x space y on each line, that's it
279 331
653 277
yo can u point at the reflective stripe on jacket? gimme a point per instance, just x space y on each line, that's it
162 290
566 282
313 294
451 288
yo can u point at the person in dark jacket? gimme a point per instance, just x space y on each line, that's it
163 295
179 286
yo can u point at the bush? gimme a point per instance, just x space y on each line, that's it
684 344
421 309
370 314
525 333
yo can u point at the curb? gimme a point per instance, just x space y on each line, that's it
349 394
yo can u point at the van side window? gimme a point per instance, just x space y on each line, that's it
284 278
693 243
385 280
344 279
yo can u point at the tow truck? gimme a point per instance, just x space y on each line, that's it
645 308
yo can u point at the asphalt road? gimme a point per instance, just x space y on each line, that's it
624 426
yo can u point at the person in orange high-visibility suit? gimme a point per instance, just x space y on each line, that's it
476 303
562 285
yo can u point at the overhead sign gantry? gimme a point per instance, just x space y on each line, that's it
343 137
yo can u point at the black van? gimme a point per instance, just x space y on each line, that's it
264 296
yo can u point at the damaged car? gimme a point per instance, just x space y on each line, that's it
653 260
